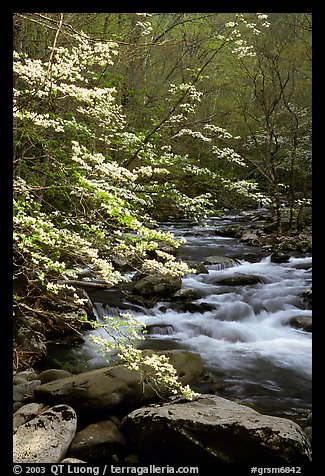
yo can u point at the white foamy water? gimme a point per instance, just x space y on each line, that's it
243 333
247 338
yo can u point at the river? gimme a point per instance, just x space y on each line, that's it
244 337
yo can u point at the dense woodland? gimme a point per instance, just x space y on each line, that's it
125 119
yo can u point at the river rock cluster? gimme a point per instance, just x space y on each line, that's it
109 415
266 236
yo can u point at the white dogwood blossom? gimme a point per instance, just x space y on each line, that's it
229 154
154 369
88 180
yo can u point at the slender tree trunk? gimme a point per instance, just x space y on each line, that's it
46 163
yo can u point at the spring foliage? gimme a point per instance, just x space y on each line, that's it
74 204
89 186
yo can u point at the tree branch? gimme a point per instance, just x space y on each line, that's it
173 109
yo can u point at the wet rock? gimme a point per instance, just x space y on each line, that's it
199 267
280 257
305 266
250 237
310 419
192 307
16 406
187 294
270 227
156 285
46 438
208 383
214 430
250 257
221 262
301 322
31 322
163 329
19 380
97 442
232 231
188 364
239 280
308 297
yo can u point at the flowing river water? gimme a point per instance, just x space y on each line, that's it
243 333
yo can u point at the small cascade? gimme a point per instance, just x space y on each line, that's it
221 266
160 329
102 310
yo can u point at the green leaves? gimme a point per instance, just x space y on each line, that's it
105 142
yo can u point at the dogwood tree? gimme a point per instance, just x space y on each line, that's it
87 185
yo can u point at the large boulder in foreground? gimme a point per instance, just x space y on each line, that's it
102 389
214 430
46 438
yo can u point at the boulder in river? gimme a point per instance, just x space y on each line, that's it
187 294
99 390
280 257
160 328
239 279
156 285
251 237
214 430
302 322
250 257
221 262
308 297
46 438
233 231
199 268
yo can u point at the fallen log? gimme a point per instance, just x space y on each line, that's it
88 284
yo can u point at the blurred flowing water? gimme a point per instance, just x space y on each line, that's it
244 337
